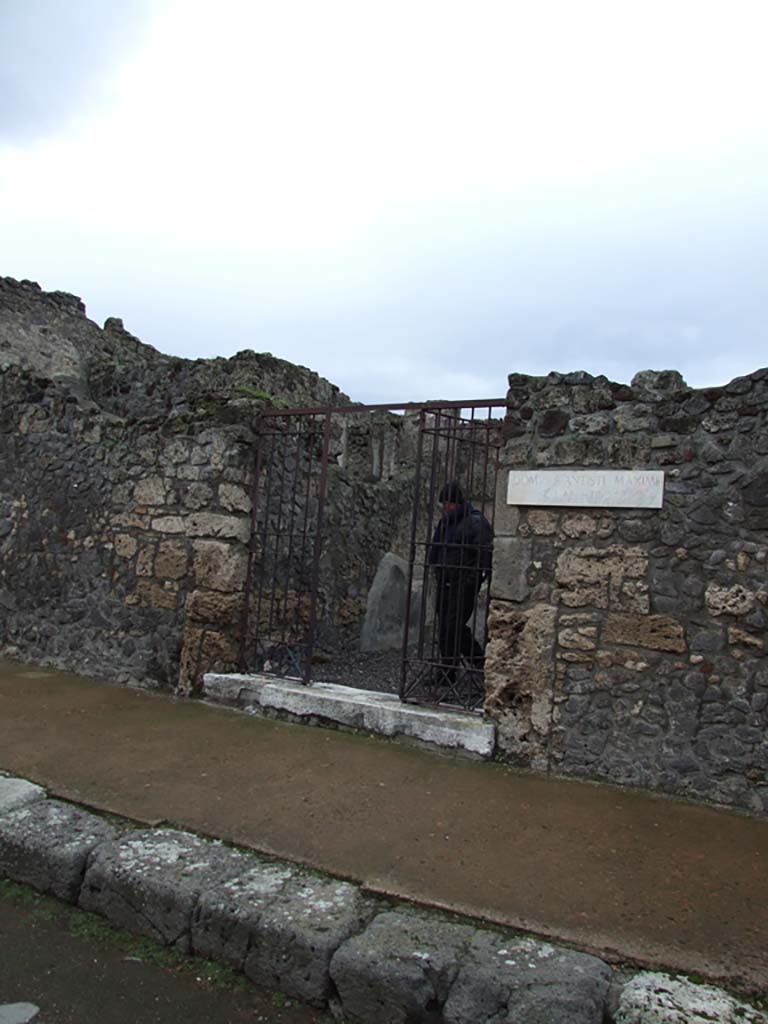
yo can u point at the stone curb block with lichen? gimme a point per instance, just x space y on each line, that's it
315 938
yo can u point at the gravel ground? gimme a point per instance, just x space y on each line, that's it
377 671
381 671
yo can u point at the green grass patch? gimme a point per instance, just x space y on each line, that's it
92 928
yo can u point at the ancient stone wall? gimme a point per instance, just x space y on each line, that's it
630 644
125 494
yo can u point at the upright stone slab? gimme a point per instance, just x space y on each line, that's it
47 844
386 606
149 882
521 979
400 968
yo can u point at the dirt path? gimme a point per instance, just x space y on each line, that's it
609 869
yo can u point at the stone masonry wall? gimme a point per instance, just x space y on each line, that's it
125 479
125 495
630 644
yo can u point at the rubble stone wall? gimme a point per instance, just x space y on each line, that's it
125 494
115 534
630 644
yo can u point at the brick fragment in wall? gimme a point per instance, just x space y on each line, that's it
196 495
204 650
150 490
125 545
578 525
172 560
519 672
580 639
579 619
733 600
129 521
657 632
145 561
218 565
151 593
234 498
542 523
590 576
741 636
215 608
169 524
634 596
210 524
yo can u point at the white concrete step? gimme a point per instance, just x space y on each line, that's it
383 714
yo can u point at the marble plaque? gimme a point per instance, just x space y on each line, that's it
587 488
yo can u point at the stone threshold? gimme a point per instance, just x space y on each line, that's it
382 714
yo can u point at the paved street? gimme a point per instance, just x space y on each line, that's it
77 979
622 873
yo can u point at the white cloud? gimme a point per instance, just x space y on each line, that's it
511 184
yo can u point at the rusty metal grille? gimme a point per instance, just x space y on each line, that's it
280 613
451 558
292 601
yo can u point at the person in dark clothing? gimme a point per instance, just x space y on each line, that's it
460 556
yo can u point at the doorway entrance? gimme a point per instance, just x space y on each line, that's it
345 506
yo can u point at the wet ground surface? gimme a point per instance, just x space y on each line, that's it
615 871
54 960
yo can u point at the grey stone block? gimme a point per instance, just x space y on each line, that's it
300 931
651 998
511 560
149 882
385 609
381 713
400 969
19 1013
15 793
506 980
46 844
226 921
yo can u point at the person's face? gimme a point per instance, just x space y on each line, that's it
450 506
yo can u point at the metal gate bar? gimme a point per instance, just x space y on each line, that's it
445 663
280 603
281 613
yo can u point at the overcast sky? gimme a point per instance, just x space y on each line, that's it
412 198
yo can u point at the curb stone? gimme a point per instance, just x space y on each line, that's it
149 881
410 965
280 925
300 932
227 917
46 844
522 979
15 793
305 933
400 968
653 998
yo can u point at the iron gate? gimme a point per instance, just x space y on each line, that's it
305 592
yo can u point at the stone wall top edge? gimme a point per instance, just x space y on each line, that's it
634 390
92 350
25 289
662 393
